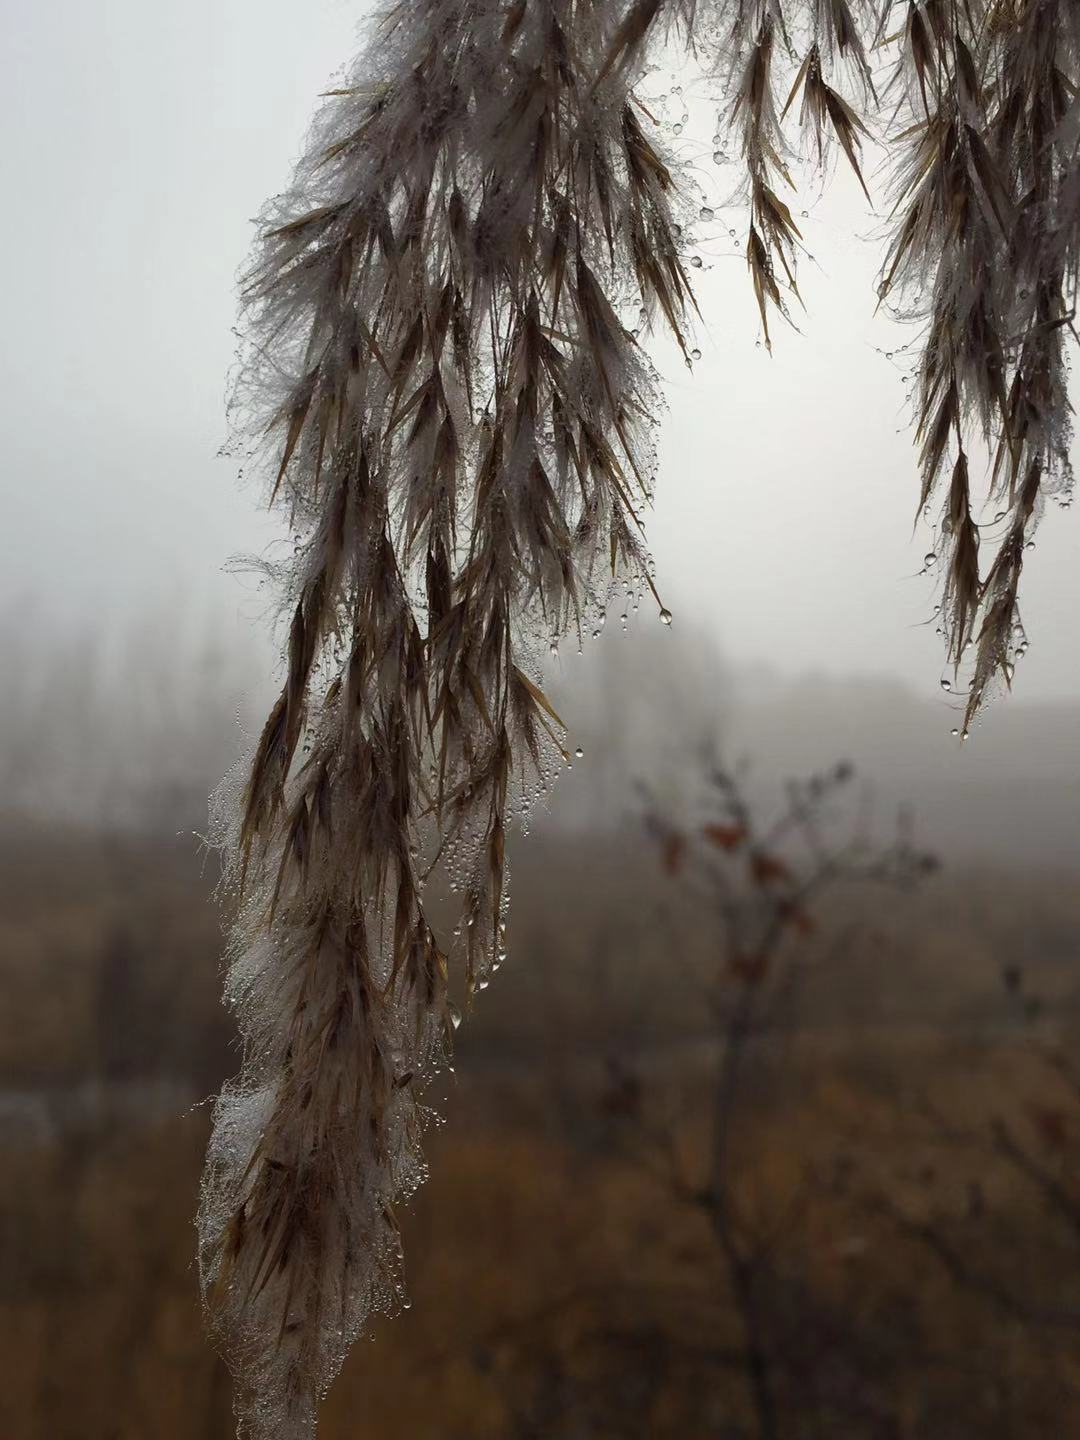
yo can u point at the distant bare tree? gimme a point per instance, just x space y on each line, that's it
761 884
731 1312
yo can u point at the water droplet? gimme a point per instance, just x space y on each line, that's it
955 731
695 354
666 617
696 262
946 683
455 1015
930 558
579 752
707 213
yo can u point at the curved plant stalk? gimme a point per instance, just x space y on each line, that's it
460 428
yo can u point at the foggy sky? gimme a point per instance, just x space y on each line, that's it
140 139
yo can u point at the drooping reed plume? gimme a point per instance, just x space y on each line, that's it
986 240
459 425
462 427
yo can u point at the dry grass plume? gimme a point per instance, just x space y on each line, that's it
459 424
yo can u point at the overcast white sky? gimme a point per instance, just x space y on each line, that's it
139 139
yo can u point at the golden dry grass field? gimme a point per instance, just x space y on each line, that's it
899 1239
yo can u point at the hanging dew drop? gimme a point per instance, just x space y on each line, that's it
666 617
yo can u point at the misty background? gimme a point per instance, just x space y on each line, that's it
140 142
136 667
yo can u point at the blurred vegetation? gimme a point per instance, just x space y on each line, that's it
890 1246
892 1240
